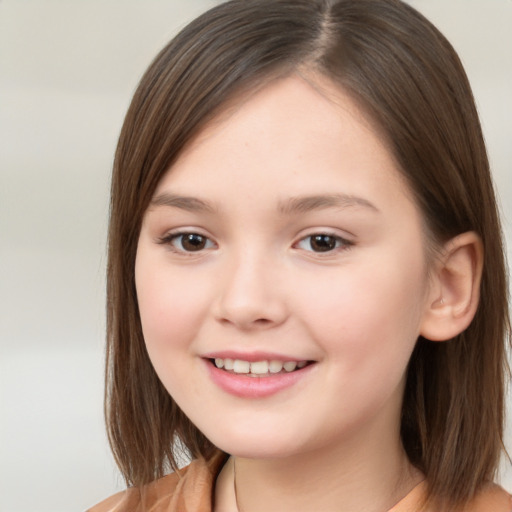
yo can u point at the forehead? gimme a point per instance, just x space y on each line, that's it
282 126
304 90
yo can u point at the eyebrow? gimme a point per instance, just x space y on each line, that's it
303 204
300 204
191 204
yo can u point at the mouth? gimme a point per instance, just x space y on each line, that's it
263 368
256 375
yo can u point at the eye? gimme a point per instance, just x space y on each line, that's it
187 242
322 242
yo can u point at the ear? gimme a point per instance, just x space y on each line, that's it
454 290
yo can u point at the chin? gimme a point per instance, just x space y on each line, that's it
254 445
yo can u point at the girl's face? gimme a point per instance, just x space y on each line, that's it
284 235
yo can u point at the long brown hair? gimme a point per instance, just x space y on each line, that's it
409 80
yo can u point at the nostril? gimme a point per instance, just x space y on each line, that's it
262 321
249 314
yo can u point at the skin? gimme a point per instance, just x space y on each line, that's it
331 441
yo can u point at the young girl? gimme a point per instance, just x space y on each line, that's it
306 283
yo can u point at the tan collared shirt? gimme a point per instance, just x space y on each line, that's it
192 491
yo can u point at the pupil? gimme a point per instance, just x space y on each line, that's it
193 242
323 243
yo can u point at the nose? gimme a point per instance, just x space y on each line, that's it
251 295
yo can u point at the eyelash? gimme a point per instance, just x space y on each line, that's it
340 243
170 238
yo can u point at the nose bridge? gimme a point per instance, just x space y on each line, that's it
250 294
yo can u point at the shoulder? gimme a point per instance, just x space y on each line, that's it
132 499
190 489
491 498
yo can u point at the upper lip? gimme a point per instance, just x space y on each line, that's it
252 356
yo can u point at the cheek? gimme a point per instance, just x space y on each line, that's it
370 321
169 304
170 309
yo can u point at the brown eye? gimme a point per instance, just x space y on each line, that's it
190 242
322 243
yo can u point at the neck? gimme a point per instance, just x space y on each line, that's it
364 477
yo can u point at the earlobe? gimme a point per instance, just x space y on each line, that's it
455 288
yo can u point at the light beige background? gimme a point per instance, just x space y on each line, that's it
67 71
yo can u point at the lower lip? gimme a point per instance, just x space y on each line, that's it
255 387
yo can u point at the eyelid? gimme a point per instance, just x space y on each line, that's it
344 242
170 236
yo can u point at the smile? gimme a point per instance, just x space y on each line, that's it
258 368
256 375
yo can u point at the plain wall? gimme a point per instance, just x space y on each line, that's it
67 72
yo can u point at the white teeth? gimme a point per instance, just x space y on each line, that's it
259 367
275 366
289 366
241 366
